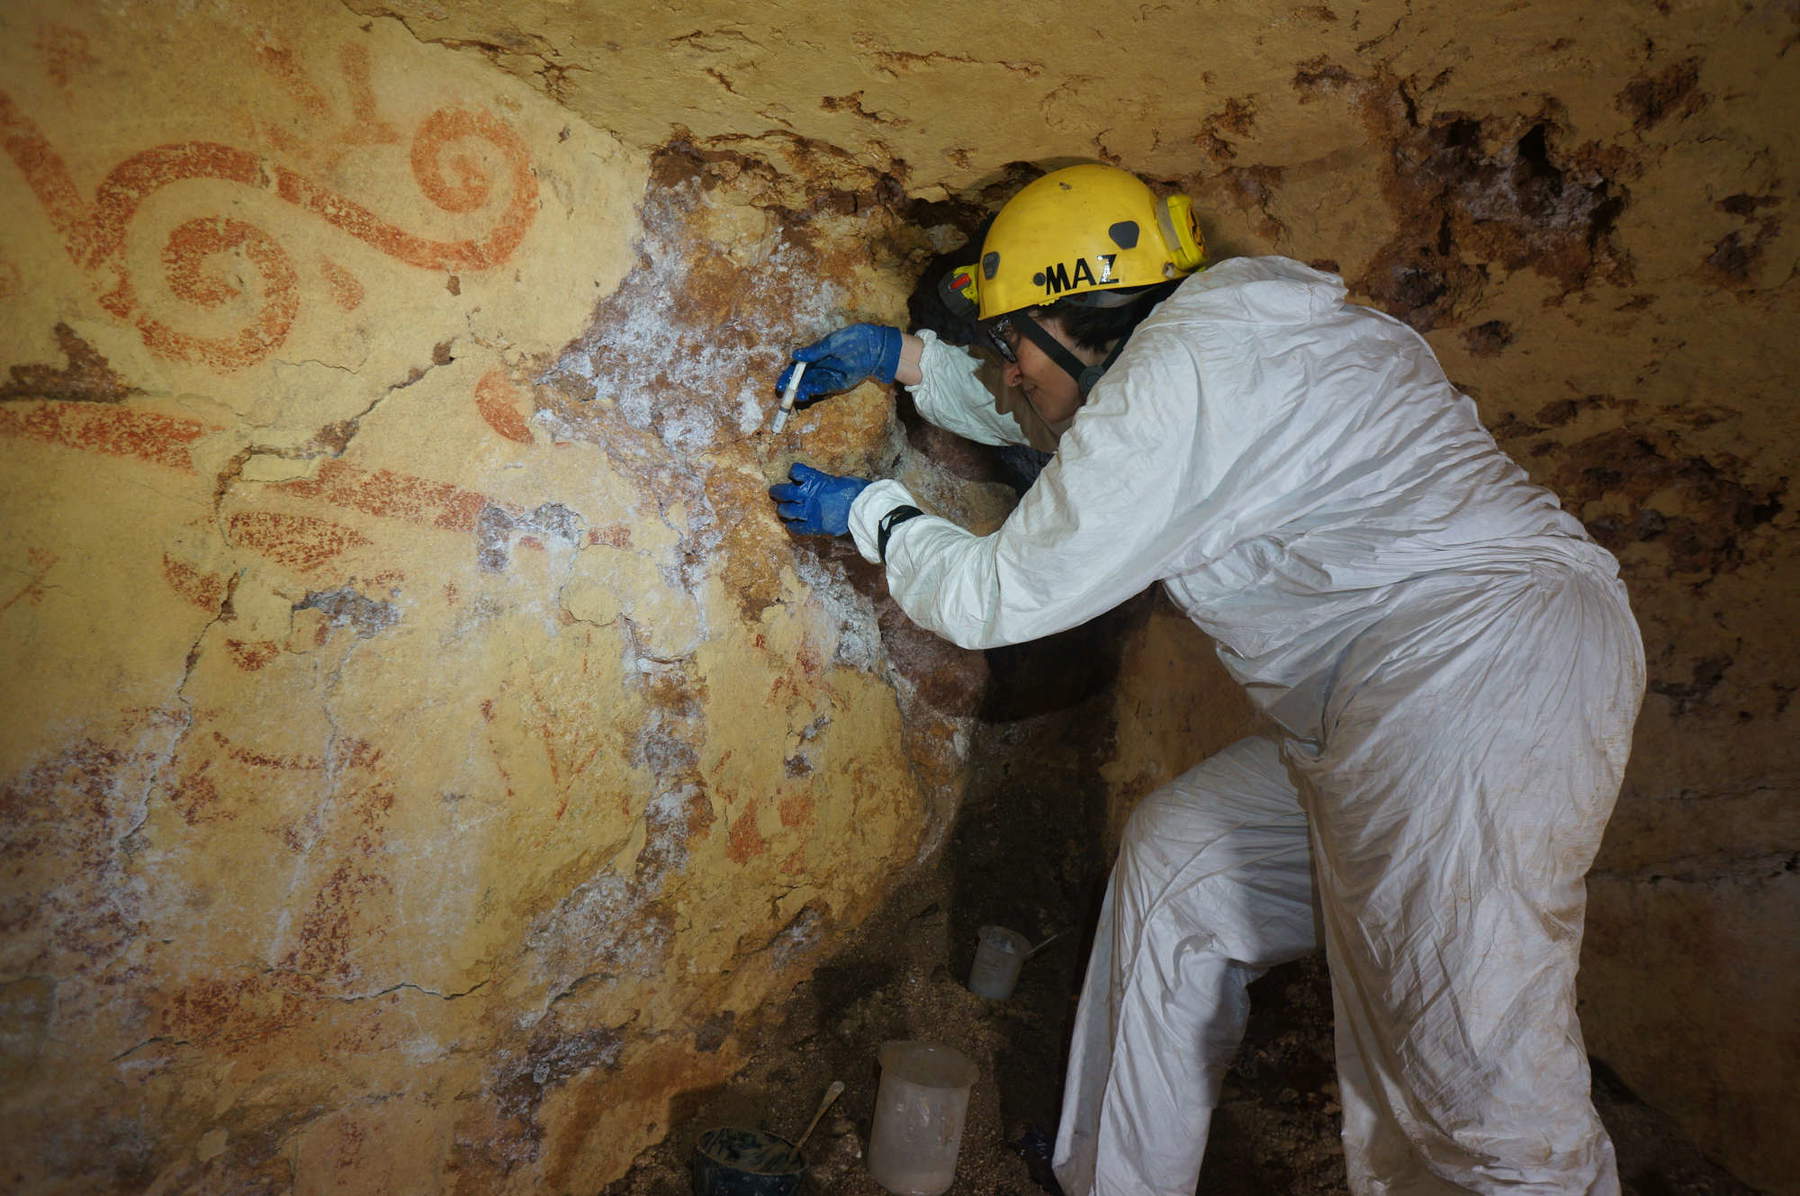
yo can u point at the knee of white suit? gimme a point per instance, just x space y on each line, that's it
1218 861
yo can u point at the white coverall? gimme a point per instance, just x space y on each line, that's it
1451 671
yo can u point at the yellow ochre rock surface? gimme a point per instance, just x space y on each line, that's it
425 755
423 743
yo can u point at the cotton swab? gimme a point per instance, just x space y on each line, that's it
787 397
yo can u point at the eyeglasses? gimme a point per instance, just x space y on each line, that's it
999 332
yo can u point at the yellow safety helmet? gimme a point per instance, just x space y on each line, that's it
1077 231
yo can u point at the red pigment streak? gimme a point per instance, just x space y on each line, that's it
235 1015
366 126
42 561
498 404
46 175
796 809
362 754
184 255
746 841
392 496
327 935
252 656
358 753
264 760
204 590
297 541
132 181
65 51
115 431
282 139
346 289
32 594
372 803
281 63
580 766
195 796
94 234
468 192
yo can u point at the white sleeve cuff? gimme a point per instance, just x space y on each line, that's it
876 500
951 395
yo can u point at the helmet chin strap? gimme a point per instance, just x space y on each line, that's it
1085 376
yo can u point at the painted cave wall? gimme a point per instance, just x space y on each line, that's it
425 756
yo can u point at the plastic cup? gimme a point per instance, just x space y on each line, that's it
919 1112
997 959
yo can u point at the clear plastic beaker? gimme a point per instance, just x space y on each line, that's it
919 1113
997 959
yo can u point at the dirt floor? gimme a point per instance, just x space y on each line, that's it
1026 854
1275 1133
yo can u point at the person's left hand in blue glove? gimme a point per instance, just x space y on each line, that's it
817 503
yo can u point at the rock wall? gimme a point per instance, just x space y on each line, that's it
429 756
426 753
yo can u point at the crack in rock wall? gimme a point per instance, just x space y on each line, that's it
387 558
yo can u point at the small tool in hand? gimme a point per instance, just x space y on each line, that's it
787 397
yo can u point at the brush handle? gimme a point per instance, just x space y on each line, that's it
793 386
787 398
832 1093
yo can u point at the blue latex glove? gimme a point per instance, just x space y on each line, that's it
817 504
843 359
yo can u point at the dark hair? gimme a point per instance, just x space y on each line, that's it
1095 328
925 307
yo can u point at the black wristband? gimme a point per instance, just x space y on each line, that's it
886 526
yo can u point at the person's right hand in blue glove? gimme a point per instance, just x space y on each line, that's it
843 359
816 503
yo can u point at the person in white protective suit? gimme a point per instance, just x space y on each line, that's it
1447 662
